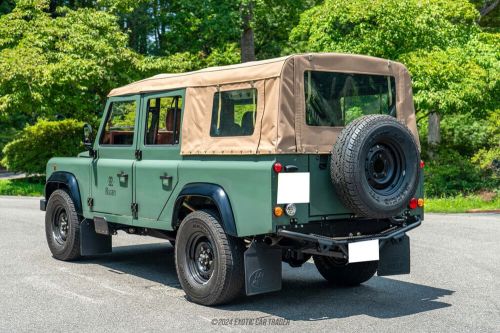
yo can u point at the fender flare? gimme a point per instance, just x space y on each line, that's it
63 179
218 196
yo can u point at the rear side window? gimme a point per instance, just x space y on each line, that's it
163 120
120 124
234 113
336 99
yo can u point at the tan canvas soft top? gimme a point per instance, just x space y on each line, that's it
280 125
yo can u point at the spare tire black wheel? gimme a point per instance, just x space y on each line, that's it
375 166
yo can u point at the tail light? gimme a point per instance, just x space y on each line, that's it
413 203
278 167
420 202
422 164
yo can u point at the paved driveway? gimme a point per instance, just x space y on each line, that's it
454 286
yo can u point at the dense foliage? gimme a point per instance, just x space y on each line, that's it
35 145
60 58
455 66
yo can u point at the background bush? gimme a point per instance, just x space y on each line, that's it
36 144
451 173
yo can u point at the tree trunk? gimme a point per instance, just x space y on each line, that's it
52 7
433 135
247 38
488 8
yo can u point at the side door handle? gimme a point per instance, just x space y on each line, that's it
166 180
166 177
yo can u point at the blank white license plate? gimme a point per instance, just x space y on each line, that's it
363 251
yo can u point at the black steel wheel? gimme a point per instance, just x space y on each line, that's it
62 227
201 260
209 262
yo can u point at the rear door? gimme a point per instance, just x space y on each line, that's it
156 173
112 170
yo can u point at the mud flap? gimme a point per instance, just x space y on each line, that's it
395 257
92 243
262 269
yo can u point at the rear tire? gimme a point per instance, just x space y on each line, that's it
339 273
209 262
62 227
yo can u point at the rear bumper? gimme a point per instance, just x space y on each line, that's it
43 205
326 245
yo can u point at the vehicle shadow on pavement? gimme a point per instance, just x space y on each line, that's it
305 294
153 262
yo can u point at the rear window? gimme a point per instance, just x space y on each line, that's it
234 113
336 99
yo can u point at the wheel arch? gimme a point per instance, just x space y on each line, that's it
219 198
64 180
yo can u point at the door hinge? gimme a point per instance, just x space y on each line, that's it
135 209
138 154
90 202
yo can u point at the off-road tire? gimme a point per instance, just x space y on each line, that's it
226 280
63 245
375 166
339 273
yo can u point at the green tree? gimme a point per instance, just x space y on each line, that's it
66 65
384 28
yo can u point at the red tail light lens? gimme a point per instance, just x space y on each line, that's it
413 203
422 164
278 167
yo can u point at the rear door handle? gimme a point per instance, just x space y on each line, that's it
122 174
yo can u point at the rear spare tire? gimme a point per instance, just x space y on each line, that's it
375 166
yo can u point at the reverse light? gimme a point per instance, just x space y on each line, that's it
278 211
278 167
422 164
420 202
413 203
290 209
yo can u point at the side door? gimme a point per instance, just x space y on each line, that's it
156 174
112 170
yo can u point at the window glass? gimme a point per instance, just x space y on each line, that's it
234 113
336 99
120 125
163 120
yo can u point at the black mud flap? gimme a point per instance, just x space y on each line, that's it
395 257
92 243
262 269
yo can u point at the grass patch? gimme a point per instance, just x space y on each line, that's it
30 186
461 204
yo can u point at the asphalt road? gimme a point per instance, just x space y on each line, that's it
454 286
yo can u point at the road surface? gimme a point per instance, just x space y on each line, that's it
454 286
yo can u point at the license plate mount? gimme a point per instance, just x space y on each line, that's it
363 251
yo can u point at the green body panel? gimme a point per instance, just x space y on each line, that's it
80 168
324 199
248 180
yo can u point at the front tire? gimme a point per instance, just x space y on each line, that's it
337 272
62 227
209 262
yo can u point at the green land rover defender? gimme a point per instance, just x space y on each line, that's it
244 167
